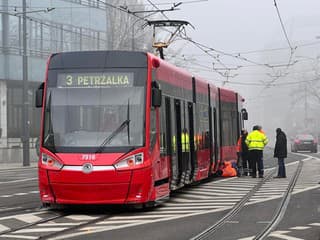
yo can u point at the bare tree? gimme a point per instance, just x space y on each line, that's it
125 31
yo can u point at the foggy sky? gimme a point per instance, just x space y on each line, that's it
234 26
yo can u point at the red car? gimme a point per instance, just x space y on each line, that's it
304 142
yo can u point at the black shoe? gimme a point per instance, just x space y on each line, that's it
277 177
253 176
260 176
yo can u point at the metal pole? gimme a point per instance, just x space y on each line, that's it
25 106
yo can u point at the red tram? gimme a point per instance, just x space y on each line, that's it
123 127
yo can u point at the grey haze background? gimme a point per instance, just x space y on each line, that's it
234 26
235 44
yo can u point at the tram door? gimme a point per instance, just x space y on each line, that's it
215 139
193 162
186 138
172 140
177 140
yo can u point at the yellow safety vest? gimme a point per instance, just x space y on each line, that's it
256 140
185 142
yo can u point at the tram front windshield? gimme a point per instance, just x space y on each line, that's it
95 116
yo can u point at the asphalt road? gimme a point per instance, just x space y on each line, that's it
189 211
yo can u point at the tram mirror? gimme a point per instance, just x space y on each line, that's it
156 97
39 97
244 114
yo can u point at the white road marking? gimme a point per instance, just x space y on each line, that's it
20 194
299 228
3 228
315 224
20 180
28 218
6 196
199 204
37 230
53 224
18 236
281 235
81 217
139 217
6 209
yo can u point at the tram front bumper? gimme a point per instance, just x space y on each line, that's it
70 186
98 187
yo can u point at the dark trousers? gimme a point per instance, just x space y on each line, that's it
256 162
281 168
246 165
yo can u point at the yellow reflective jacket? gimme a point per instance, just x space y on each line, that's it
256 140
185 143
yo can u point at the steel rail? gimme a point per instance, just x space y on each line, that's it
207 234
282 206
25 226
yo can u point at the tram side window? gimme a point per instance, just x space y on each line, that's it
202 137
227 128
153 128
234 128
163 141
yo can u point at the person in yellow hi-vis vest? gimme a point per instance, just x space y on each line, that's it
256 141
185 141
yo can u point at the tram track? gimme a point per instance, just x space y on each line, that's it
209 232
63 232
282 206
29 225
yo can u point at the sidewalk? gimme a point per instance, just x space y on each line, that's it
15 165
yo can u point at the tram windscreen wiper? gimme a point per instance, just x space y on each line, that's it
113 134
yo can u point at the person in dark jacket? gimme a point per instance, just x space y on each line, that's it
243 153
280 152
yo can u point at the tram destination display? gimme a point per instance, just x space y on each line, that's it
95 79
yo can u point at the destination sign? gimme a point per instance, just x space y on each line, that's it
105 79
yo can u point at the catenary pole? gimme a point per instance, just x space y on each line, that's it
25 100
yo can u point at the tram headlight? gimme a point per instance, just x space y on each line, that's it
131 161
50 162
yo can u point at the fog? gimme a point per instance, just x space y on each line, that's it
245 48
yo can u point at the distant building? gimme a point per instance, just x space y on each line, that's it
52 26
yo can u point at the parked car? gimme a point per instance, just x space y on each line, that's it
304 142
